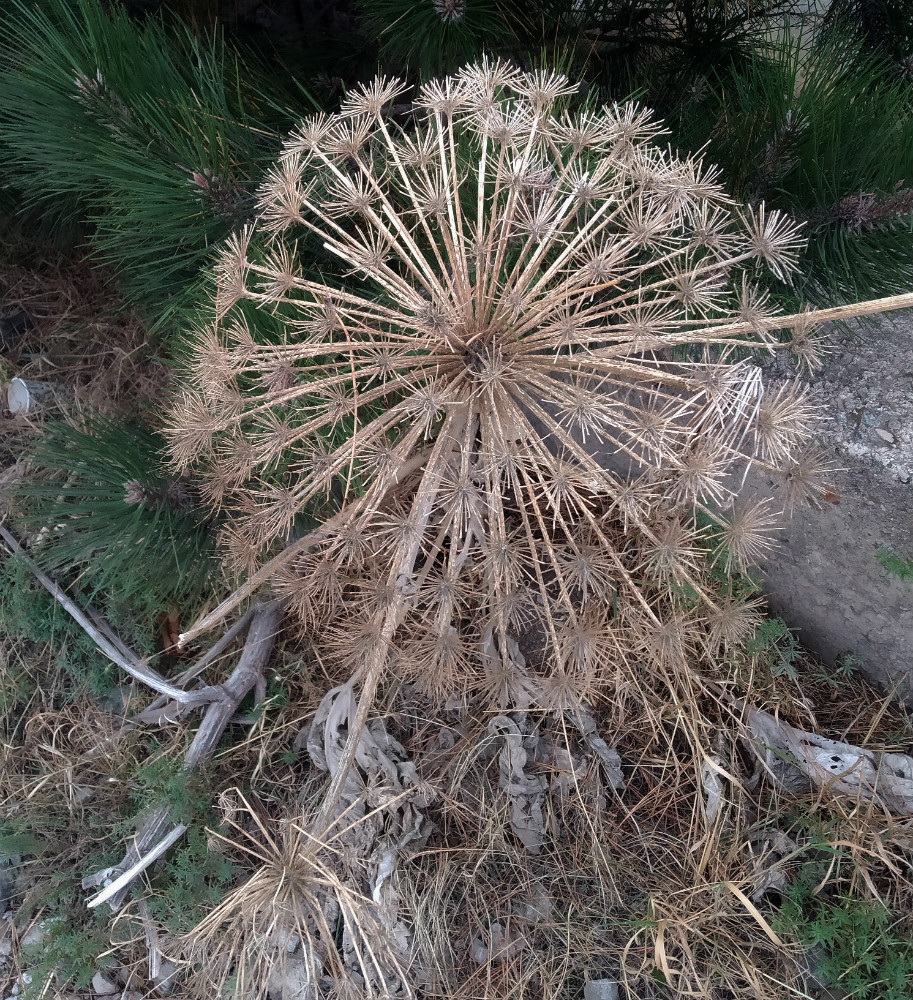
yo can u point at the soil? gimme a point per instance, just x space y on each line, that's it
825 578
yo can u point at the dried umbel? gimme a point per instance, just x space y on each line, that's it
526 382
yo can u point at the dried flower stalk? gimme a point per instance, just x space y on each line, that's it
526 381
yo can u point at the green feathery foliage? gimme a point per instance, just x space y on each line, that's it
657 48
159 137
819 133
866 950
111 512
29 613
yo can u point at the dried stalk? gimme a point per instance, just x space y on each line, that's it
101 633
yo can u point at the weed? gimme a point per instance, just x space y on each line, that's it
192 881
844 667
73 940
866 954
775 647
28 612
895 565
163 780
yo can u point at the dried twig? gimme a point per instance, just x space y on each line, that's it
101 633
264 625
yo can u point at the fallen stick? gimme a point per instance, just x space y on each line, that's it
124 880
104 637
157 827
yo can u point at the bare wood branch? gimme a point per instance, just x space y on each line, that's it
195 669
124 880
264 627
868 308
107 641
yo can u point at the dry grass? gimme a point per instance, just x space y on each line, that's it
639 885
83 337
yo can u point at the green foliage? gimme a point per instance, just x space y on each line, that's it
27 611
775 646
884 26
821 134
68 955
162 781
867 955
845 666
653 47
14 844
191 882
160 137
73 941
434 36
895 565
115 515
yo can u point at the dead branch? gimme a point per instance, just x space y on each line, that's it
157 827
101 633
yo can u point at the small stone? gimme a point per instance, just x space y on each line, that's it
885 435
103 987
82 794
166 980
290 981
600 989
34 935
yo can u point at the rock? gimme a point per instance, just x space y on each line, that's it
290 981
600 989
166 980
815 959
825 578
103 987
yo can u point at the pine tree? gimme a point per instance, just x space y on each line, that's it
155 135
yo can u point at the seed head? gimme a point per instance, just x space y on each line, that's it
522 377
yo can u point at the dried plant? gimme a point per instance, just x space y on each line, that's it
525 380
520 409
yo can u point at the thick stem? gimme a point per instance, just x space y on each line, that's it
401 577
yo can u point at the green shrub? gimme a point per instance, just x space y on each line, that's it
822 134
158 136
104 506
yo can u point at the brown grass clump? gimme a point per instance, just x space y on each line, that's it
82 336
